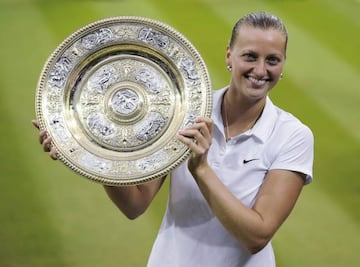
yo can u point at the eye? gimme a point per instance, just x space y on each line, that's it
273 60
249 57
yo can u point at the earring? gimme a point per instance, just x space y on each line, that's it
229 68
281 76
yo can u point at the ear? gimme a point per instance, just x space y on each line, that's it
228 56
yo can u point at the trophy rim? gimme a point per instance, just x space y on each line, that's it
121 178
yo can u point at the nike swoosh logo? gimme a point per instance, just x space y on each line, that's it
249 160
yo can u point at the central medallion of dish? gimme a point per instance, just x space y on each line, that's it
125 103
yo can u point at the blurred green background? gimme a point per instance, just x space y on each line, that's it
49 216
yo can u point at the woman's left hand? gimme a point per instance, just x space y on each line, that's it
198 138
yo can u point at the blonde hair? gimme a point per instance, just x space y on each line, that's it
260 20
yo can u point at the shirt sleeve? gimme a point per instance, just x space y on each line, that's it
297 153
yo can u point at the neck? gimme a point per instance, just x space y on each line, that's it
240 116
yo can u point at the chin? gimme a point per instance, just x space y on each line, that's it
258 92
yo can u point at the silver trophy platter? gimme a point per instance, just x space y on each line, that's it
114 94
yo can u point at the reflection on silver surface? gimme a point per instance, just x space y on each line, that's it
114 94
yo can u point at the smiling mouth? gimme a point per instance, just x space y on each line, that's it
257 82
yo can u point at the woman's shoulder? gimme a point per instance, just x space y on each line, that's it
292 124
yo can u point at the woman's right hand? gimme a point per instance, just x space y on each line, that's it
45 141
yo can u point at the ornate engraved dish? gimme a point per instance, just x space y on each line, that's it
114 94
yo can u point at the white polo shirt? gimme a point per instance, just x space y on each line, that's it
190 235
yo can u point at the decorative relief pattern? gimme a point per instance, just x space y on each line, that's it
59 73
102 79
59 126
99 125
152 162
129 88
125 101
187 65
97 38
152 125
114 94
154 38
95 163
154 84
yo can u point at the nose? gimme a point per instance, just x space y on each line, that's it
260 68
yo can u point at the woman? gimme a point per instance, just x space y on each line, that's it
247 168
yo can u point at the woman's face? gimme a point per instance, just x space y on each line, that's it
257 59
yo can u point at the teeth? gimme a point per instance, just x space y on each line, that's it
257 81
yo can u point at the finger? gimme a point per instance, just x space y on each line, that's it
205 131
53 153
203 119
203 122
42 136
198 132
35 123
208 122
203 139
47 144
201 132
190 133
188 141
210 125
194 140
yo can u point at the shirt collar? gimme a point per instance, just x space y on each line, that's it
266 123
216 115
262 128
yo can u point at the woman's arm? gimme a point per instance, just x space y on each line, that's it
255 226
134 200
131 200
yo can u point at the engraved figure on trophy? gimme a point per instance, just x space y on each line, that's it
154 38
100 36
151 80
103 78
60 72
95 163
188 66
99 125
152 162
113 95
125 101
150 126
